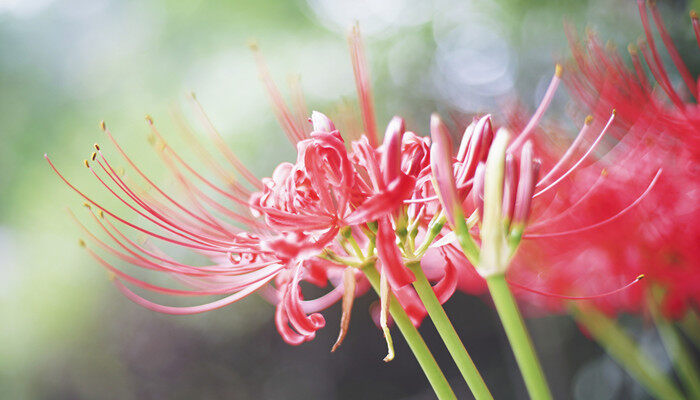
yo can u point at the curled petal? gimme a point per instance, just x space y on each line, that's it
447 285
384 202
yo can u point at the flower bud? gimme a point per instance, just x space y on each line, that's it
391 156
494 249
441 164
321 122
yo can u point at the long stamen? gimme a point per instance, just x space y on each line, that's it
582 159
125 222
292 127
566 297
696 25
672 50
193 309
570 151
608 220
544 104
362 82
184 234
221 145
655 55
205 156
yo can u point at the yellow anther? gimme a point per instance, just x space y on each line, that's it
92 157
103 126
558 70
588 120
87 164
96 146
81 243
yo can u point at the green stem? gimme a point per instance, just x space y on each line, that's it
690 324
448 334
622 348
415 341
518 337
677 350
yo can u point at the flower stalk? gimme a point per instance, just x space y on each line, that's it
413 338
677 350
495 256
448 334
622 349
519 338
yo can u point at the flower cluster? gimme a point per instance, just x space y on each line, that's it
348 204
657 126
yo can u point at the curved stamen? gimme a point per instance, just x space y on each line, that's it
673 51
221 145
582 159
192 309
125 222
566 297
696 25
570 151
598 224
362 83
544 104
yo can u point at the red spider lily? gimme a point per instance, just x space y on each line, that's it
655 128
318 219
555 214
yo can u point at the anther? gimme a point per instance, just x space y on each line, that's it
588 120
81 243
87 164
558 70
604 172
93 156
149 119
632 49
87 205
640 277
103 126
96 146
101 214
693 14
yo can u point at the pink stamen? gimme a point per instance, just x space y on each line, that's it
566 297
193 309
544 104
221 145
291 127
696 25
569 152
205 156
601 223
655 55
581 160
362 82
672 50
89 200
